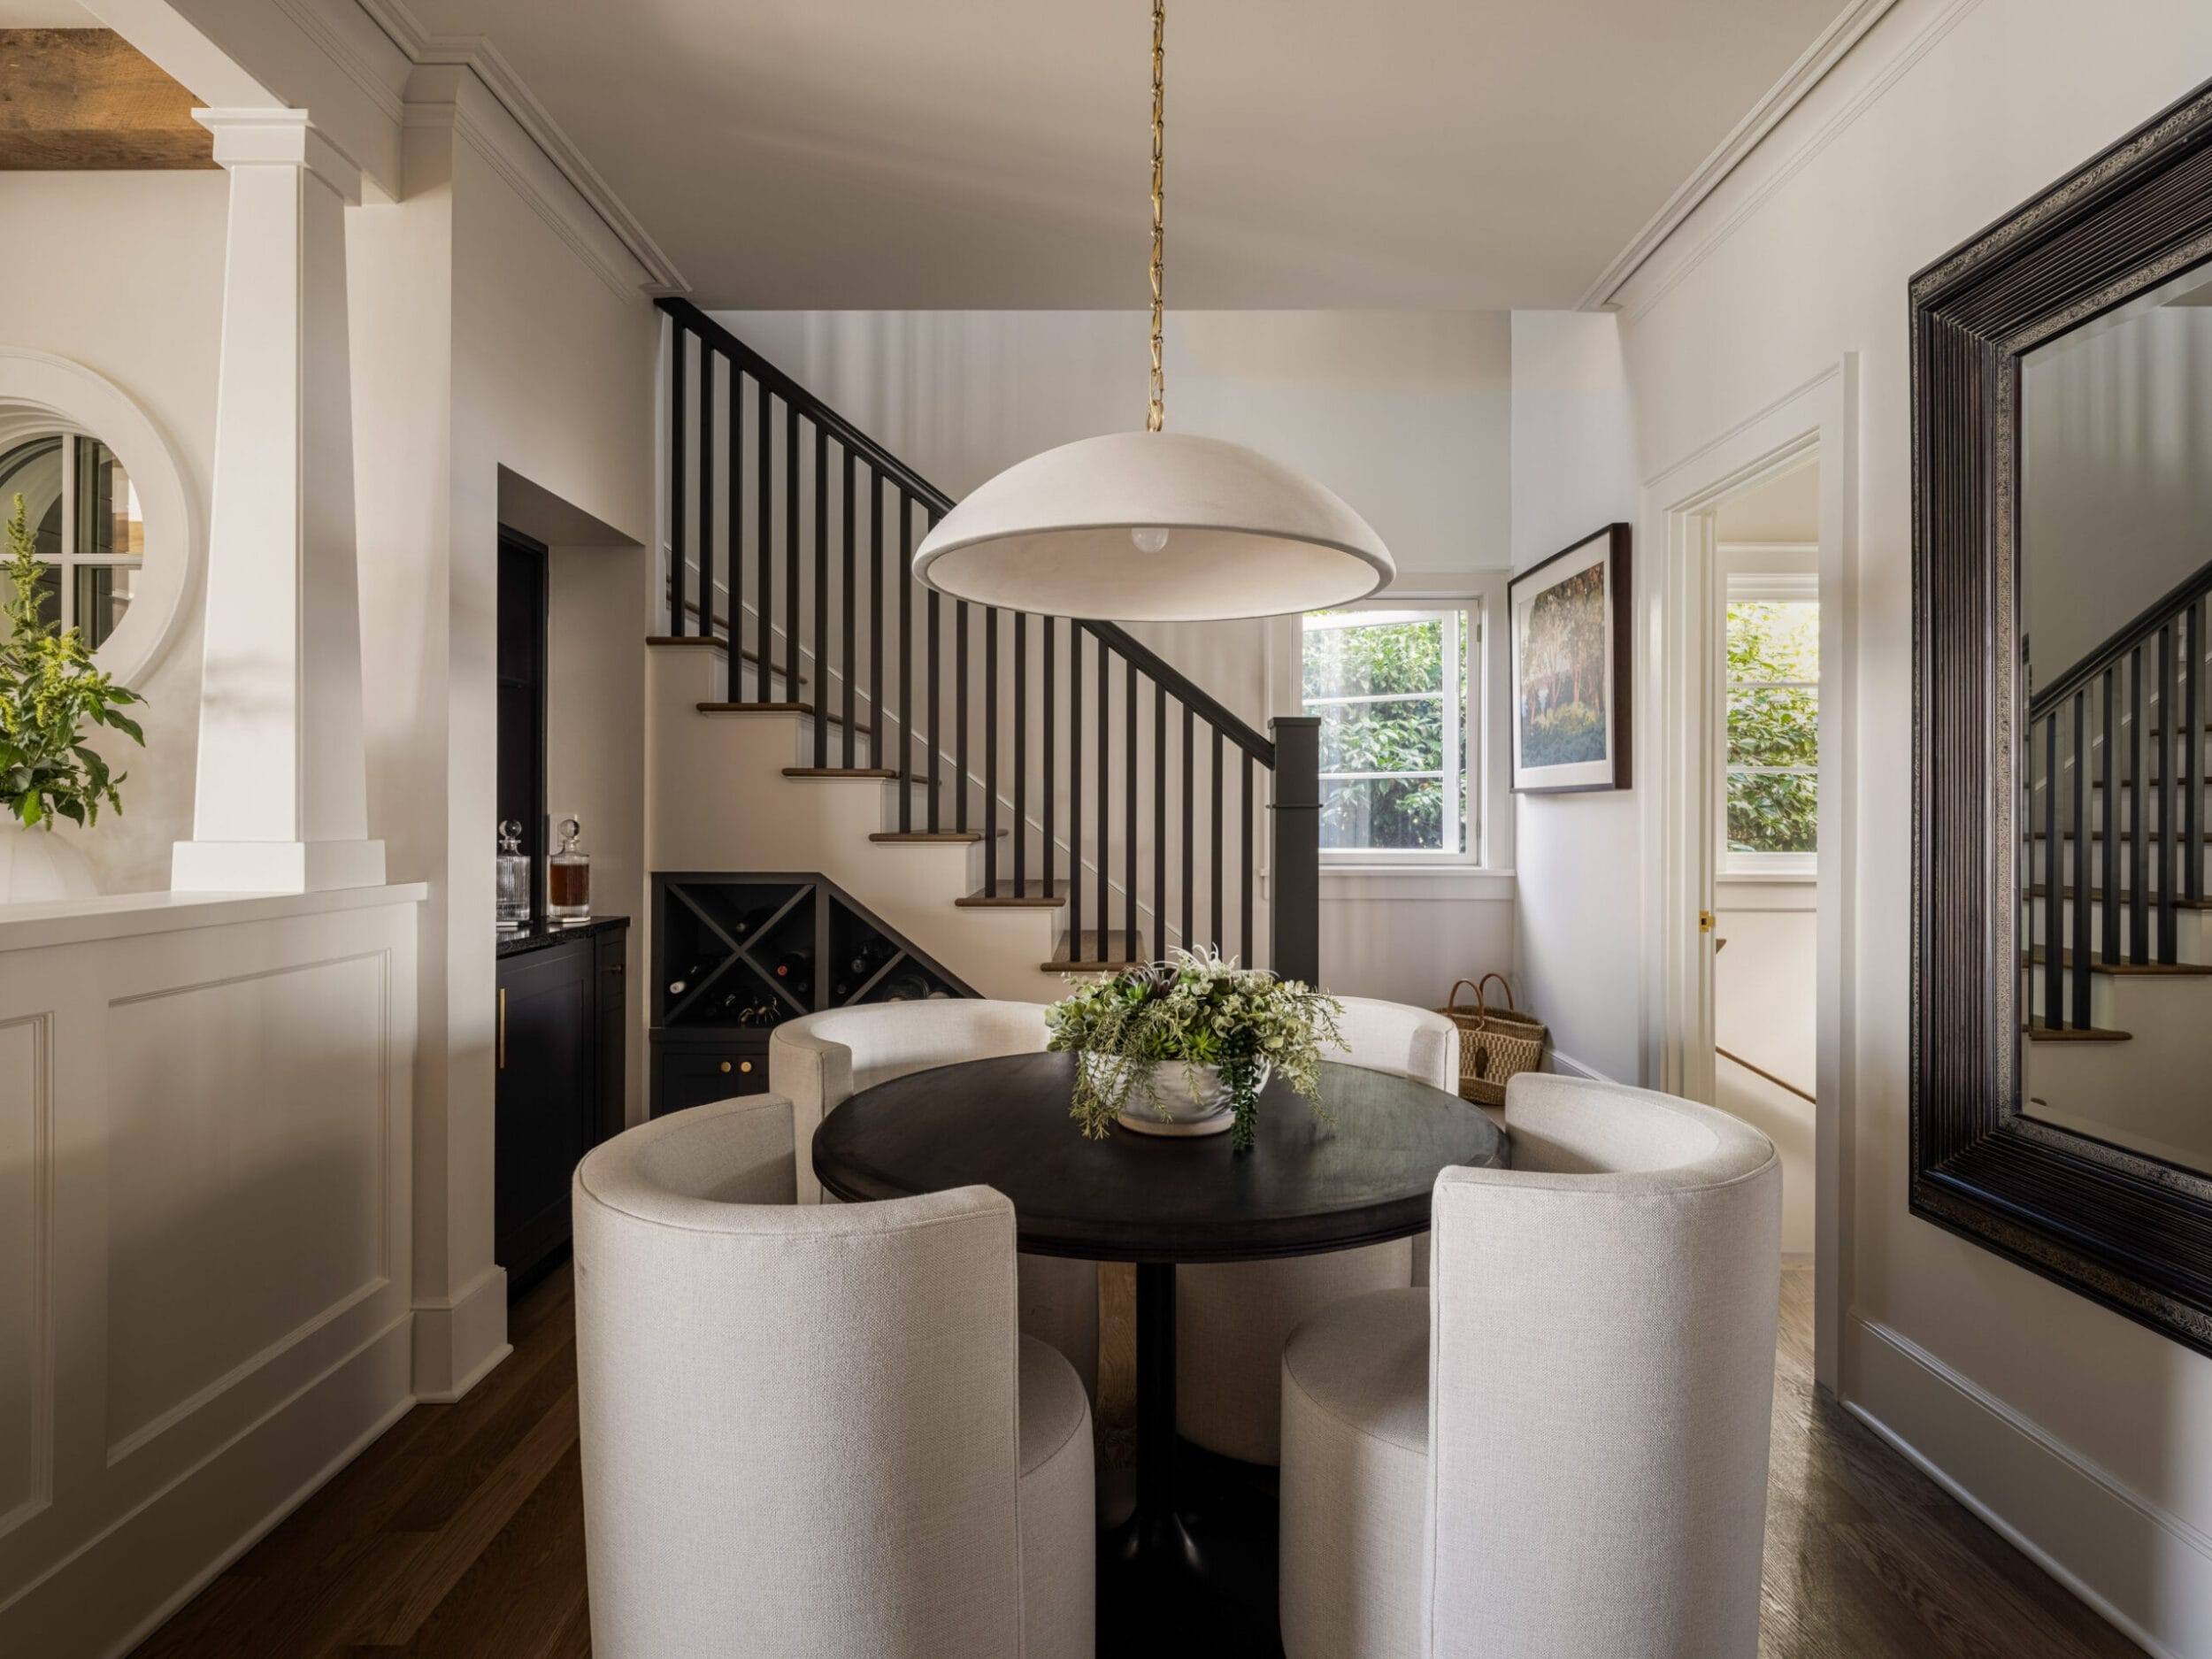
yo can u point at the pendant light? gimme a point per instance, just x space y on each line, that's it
1154 526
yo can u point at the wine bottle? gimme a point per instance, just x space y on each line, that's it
905 987
796 969
690 975
751 921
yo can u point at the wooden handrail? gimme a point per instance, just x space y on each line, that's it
1761 1072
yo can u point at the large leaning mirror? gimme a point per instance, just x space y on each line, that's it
2062 1106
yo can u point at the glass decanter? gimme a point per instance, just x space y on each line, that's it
568 876
513 901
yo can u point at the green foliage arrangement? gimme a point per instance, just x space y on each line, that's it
49 689
1771 724
1201 1010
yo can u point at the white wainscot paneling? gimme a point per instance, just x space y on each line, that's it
205 1122
27 1397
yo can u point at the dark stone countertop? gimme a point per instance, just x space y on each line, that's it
540 933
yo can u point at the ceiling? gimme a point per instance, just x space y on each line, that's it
874 155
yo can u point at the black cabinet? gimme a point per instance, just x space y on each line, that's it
738 955
558 1076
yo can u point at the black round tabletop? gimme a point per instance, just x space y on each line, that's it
1305 1186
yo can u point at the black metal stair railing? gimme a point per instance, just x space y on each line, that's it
2113 830
1037 675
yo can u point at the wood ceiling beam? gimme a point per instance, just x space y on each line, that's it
85 99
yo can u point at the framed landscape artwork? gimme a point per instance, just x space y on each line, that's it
1573 718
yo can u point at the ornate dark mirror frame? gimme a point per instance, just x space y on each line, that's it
2131 1232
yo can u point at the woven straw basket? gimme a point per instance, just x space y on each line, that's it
1493 1045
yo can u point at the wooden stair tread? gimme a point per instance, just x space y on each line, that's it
2095 896
888 774
720 644
1120 956
918 837
1031 895
805 708
2039 1033
2098 965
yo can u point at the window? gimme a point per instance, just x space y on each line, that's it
84 514
1773 724
1398 739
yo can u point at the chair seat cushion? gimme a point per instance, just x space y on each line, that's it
1354 1477
1057 1514
1231 1321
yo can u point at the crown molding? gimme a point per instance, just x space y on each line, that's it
1849 27
472 58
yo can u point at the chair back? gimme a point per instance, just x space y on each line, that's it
1413 1043
800 1424
820 1061
1601 1376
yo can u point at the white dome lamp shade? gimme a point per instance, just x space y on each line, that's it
1154 526
1145 526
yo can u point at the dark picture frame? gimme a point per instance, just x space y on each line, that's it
1557 609
2127 1230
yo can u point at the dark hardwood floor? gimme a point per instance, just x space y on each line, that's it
461 1533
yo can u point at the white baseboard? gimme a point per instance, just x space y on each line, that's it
1573 1067
2146 1570
459 1342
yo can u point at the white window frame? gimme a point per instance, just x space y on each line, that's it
1466 640
1741 586
68 561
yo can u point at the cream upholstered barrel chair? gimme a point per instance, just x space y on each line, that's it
816 1429
822 1060
1560 1447
1231 1318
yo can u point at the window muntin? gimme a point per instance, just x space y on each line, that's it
85 517
1390 687
1771 737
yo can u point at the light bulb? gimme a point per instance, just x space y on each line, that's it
1148 538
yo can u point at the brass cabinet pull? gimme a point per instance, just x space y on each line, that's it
725 1065
502 1028
744 1065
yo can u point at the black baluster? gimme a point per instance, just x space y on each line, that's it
1105 794
876 716
706 501
2138 899
1244 892
821 595
2170 848
2053 901
736 577
2107 848
763 555
1159 819
2192 738
792 677
1021 754
1214 827
1129 806
1075 791
1047 797
936 731
678 425
1190 821
849 607
990 749
960 715
906 663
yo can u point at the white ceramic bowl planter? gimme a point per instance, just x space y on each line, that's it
1181 1110
37 865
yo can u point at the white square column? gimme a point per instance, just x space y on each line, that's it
281 805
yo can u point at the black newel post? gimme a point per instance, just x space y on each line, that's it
1296 906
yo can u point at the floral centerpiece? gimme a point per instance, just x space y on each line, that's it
1194 1033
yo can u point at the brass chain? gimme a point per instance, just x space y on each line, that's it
1156 418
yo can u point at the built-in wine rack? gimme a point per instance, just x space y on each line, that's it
736 955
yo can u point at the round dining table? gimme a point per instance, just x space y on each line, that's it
1308 1186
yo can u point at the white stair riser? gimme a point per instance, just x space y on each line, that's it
2038 857
2192 930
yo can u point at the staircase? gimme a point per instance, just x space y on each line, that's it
1024 796
2116 923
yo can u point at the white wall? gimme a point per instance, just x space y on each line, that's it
2082 1434
1406 415
1580 902
126 277
2116 479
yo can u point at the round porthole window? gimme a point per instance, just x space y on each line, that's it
106 506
